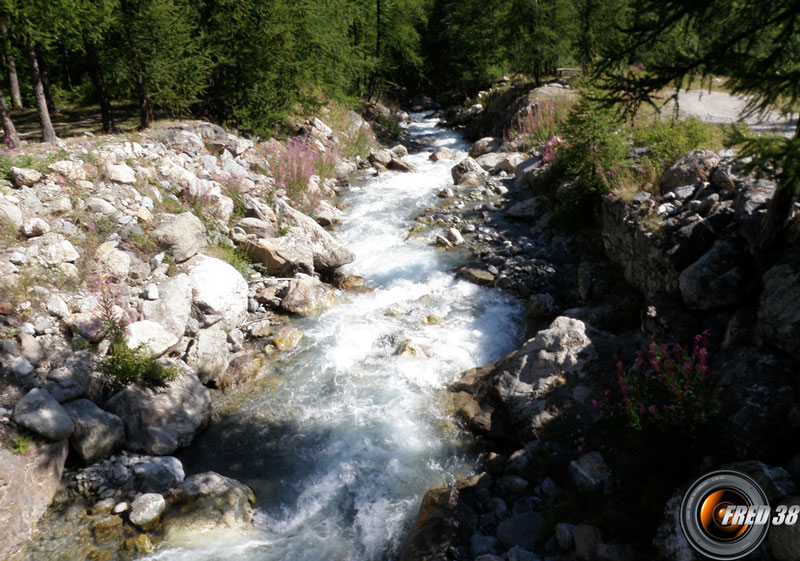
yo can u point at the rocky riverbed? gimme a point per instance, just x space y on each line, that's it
310 367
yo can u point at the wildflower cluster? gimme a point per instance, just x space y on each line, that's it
670 387
540 123
294 163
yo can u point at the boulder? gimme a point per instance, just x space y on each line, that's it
208 501
182 235
454 236
477 276
308 295
159 420
35 227
490 161
10 215
257 227
464 167
670 541
100 206
120 173
411 349
39 412
400 151
382 157
55 250
173 306
397 164
28 483
219 292
153 338
521 530
146 510
717 280
484 146
694 167
112 260
442 153
97 435
157 474
327 253
529 209
779 306
208 356
287 338
525 168
510 162
24 177
590 472
284 256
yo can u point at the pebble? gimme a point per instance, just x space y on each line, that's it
42 324
28 328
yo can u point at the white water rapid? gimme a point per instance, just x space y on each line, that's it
366 434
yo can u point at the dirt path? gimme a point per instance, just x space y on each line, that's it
721 107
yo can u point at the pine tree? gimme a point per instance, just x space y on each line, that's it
758 50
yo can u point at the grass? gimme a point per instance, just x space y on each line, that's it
540 123
21 444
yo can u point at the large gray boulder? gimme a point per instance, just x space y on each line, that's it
442 153
484 146
284 256
159 420
327 253
24 177
208 501
219 293
97 433
28 483
173 306
464 167
182 235
716 280
691 168
39 412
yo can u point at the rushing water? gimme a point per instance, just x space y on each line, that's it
361 434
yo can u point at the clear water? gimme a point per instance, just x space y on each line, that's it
358 434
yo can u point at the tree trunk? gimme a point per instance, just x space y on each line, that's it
16 97
378 36
48 133
770 237
144 104
48 93
100 86
8 125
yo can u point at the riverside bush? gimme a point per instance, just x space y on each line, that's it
668 140
123 365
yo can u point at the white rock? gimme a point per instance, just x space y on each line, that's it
60 251
35 227
151 292
153 336
120 173
219 292
10 213
57 307
147 509
73 171
100 206
113 260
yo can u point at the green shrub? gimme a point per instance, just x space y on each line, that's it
668 140
21 444
123 365
541 123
